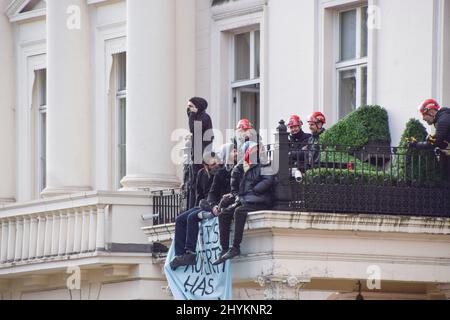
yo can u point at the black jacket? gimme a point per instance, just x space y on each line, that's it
442 124
203 185
220 186
313 154
252 187
296 143
204 119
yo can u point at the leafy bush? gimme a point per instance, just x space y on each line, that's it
366 176
414 165
368 124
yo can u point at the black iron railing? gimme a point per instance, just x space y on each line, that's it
373 180
344 179
355 181
167 205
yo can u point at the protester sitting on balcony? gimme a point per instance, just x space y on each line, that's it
433 114
316 124
186 227
222 180
298 139
251 190
199 124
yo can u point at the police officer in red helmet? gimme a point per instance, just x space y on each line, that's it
433 114
298 139
316 123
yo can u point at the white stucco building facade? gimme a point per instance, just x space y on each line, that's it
91 92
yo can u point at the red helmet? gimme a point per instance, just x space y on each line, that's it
244 124
317 117
295 121
428 105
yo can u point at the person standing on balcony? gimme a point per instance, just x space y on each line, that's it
433 114
186 226
251 190
316 124
200 126
298 139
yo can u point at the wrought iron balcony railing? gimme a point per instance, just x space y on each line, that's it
344 179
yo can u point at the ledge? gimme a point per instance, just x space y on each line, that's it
75 200
277 221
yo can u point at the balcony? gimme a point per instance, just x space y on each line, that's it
44 242
302 255
349 216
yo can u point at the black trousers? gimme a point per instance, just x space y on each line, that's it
240 218
195 168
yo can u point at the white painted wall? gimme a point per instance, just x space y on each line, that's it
203 48
291 39
186 77
7 106
405 59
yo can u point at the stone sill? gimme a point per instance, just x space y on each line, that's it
277 221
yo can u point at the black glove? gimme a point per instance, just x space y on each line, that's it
226 202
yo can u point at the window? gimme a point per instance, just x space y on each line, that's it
246 80
41 99
351 65
121 120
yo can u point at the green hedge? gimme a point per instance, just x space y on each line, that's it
368 124
411 164
342 176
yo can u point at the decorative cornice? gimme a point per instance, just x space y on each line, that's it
350 223
232 9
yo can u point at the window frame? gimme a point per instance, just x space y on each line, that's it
237 85
358 63
119 95
40 140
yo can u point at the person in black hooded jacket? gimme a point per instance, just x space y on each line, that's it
200 126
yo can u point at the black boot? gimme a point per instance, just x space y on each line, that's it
189 259
175 263
232 253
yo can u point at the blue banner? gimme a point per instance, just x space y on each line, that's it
202 281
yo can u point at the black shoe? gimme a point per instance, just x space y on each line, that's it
220 259
189 259
175 263
232 253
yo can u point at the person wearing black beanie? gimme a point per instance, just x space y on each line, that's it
198 118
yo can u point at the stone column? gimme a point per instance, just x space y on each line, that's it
68 112
7 120
151 90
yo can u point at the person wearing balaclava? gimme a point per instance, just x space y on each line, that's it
200 126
